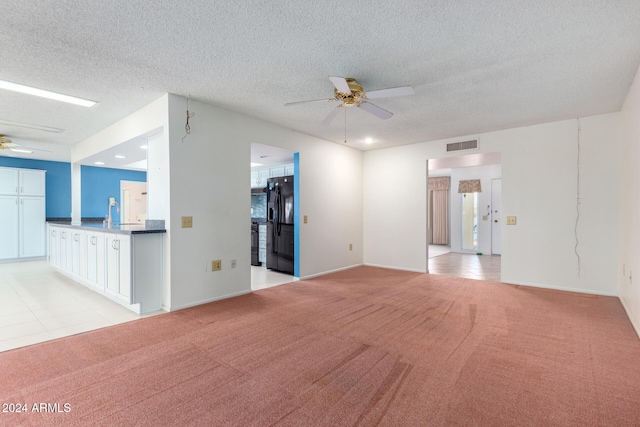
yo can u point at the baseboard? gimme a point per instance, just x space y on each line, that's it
206 301
635 326
559 288
311 276
391 267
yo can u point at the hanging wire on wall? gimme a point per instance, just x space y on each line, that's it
187 127
575 249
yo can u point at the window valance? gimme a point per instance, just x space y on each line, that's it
469 186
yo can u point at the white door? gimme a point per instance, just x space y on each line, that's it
496 216
32 227
9 227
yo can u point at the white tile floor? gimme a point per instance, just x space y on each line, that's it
39 304
262 278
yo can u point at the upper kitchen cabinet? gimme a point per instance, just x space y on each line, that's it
9 181
32 182
259 177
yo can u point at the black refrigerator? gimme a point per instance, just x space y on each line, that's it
280 239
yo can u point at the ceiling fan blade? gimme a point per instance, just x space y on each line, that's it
288 104
341 84
332 115
392 91
375 110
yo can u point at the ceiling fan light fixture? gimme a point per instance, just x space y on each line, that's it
15 87
21 150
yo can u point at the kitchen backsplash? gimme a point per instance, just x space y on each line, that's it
258 206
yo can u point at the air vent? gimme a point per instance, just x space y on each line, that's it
464 145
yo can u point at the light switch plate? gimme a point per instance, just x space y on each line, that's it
187 222
216 265
305 220
511 220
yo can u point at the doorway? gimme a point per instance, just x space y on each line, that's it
474 237
133 202
275 253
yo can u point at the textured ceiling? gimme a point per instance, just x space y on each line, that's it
475 66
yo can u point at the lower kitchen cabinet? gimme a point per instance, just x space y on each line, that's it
96 271
118 249
127 268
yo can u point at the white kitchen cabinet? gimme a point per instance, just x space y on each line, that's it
96 260
65 249
277 171
9 227
125 267
259 177
54 245
22 213
32 227
118 249
9 181
77 256
32 182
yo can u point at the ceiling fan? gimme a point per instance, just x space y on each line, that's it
7 144
351 93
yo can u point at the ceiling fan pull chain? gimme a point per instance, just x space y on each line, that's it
345 125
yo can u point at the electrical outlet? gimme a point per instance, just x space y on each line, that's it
187 222
216 265
350 246
233 263
305 219
511 220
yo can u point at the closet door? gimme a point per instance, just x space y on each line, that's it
32 227
9 219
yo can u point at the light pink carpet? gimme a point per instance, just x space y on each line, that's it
366 346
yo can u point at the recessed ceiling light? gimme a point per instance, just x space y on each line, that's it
368 140
255 164
98 163
120 156
31 126
45 94
144 147
21 150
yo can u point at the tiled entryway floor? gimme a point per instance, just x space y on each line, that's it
470 266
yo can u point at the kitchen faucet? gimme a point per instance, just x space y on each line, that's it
112 203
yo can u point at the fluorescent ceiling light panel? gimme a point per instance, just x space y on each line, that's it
120 156
45 94
255 164
21 150
144 147
98 163
31 126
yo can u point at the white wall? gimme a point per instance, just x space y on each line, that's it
539 175
209 180
629 270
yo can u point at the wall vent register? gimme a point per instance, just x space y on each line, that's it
464 145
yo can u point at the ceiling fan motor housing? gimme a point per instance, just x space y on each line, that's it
353 98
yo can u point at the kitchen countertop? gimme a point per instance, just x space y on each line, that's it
118 229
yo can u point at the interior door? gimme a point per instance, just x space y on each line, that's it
496 216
